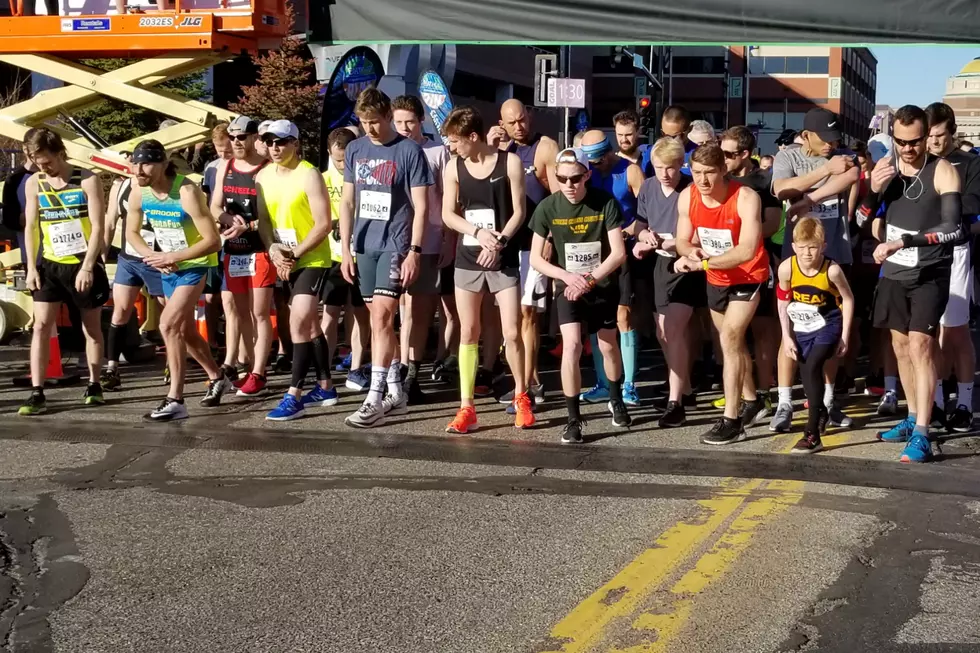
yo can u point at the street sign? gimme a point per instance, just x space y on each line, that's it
833 88
545 67
566 93
734 87
639 86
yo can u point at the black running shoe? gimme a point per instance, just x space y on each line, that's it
572 433
415 395
484 383
110 379
938 419
216 388
621 416
674 417
961 420
809 443
752 411
282 365
725 431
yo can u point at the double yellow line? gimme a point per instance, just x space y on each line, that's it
624 609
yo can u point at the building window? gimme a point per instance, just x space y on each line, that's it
775 65
699 65
757 65
796 65
818 65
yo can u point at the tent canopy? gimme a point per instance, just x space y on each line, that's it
658 21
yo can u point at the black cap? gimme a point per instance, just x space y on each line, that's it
149 151
823 123
787 137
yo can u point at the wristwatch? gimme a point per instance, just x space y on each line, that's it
502 239
415 248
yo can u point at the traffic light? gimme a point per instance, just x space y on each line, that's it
642 104
617 52
644 109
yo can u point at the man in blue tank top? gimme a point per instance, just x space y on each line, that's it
676 124
622 180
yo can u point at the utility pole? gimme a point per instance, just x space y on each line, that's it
564 68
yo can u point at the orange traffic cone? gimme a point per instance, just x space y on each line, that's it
55 373
275 322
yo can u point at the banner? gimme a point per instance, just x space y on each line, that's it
360 68
436 98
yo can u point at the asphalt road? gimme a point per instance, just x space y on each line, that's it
228 533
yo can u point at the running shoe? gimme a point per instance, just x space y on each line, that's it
753 412
169 410
537 394
719 403
319 398
110 379
484 383
809 443
938 418
836 417
446 370
35 405
524 417
674 416
725 431
596 395
415 395
630 396
901 432
782 421
572 433
918 450
392 405
359 380
465 421
216 388
166 375
93 395
621 417
231 372
369 414
874 384
344 364
289 408
888 404
254 385
282 365
689 401
961 420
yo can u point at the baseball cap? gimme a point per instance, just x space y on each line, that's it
149 151
282 129
243 125
823 123
264 126
786 137
573 155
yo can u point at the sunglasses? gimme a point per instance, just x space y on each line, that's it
278 142
241 138
574 179
731 155
910 143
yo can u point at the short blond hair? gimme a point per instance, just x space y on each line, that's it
809 231
668 150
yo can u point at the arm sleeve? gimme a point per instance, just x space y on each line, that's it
950 230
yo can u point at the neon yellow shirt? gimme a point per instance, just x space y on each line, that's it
289 208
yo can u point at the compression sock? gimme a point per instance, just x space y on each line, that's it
395 379
600 370
468 360
321 358
113 345
627 343
302 355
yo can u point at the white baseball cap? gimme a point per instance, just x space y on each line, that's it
573 155
282 129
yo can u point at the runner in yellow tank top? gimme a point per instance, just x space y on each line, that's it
294 220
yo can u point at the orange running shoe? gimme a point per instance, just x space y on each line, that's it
465 421
524 416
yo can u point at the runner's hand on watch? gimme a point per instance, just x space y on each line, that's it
488 240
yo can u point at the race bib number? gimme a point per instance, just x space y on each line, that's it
482 218
287 237
826 210
241 265
67 238
374 205
907 256
805 318
868 251
715 241
171 239
582 258
661 252
149 237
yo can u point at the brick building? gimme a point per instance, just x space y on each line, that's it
963 95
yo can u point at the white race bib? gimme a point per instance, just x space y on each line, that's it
715 241
241 265
907 256
67 238
374 205
482 218
661 252
868 251
149 237
805 318
171 239
287 237
826 210
582 258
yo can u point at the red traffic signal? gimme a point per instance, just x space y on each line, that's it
642 103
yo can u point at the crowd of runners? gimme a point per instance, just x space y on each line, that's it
748 268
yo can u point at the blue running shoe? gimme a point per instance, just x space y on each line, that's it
598 394
899 433
918 450
344 365
359 380
630 396
320 397
289 408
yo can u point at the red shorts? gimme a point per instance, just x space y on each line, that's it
246 271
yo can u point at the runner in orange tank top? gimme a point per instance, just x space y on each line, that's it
719 230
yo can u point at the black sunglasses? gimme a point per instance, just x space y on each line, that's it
731 155
240 137
575 179
278 142
910 143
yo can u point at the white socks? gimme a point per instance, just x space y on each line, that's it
828 395
785 394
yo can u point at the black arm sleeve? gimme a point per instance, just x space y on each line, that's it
950 229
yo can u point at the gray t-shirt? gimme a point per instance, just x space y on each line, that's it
383 178
659 211
832 212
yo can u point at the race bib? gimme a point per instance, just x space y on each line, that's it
241 265
805 318
374 205
482 218
868 251
582 258
662 252
826 210
67 238
171 239
287 237
715 241
149 237
907 256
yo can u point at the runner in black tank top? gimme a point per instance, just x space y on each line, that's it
486 203
920 221
239 195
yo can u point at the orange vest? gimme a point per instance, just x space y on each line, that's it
718 229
